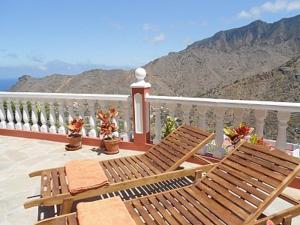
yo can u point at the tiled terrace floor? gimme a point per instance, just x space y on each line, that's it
19 156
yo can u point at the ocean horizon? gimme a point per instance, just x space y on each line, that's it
7 83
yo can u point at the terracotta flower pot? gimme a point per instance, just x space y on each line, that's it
111 146
74 142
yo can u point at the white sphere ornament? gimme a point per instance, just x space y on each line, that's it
140 74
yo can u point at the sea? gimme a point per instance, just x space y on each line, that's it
6 83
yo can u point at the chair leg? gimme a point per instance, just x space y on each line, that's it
66 206
287 220
198 175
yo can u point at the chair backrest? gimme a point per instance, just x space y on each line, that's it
177 147
245 182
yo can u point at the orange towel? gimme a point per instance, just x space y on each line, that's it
110 211
83 175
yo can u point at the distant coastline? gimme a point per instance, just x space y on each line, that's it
7 83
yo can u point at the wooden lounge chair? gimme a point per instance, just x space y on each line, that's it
235 191
153 166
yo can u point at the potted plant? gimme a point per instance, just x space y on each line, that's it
109 130
75 137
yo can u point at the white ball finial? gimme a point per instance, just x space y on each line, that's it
140 74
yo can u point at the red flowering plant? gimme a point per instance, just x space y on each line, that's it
108 127
75 126
237 133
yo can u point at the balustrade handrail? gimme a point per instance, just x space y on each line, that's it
40 95
227 103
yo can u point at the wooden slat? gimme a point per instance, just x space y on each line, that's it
252 173
72 220
154 213
274 153
197 130
149 169
162 211
125 169
226 203
135 216
247 178
241 184
112 172
144 213
137 167
189 195
227 194
174 213
215 208
55 184
108 175
62 179
232 187
264 163
46 184
116 168
257 167
179 206
131 167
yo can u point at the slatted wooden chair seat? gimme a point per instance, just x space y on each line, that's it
236 191
164 157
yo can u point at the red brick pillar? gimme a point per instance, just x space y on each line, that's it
141 109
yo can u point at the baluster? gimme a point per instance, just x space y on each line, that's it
34 118
61 118
18 118
238 115
26 125
43 117
71 114
92 132
186 113
283 118
9 116
157 112
260 116
52 118
202 116
219 132
2 116
82 109
127 122
172 109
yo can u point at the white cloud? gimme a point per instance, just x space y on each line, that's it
150 27
157 38
270 7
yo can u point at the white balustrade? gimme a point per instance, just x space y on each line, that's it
43 117
34 118
52 118
2 116
157 112
202 116
127 120
186 113
25 115
9 116
92 121
260 109
61 118
82 110
260 116
18 116
283 118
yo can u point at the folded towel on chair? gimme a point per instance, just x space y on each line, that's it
85 174
104 212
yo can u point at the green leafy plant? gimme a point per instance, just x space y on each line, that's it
169 126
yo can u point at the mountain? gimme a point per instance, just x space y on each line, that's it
226 57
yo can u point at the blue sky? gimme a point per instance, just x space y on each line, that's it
119 33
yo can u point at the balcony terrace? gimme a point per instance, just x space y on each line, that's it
33 130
